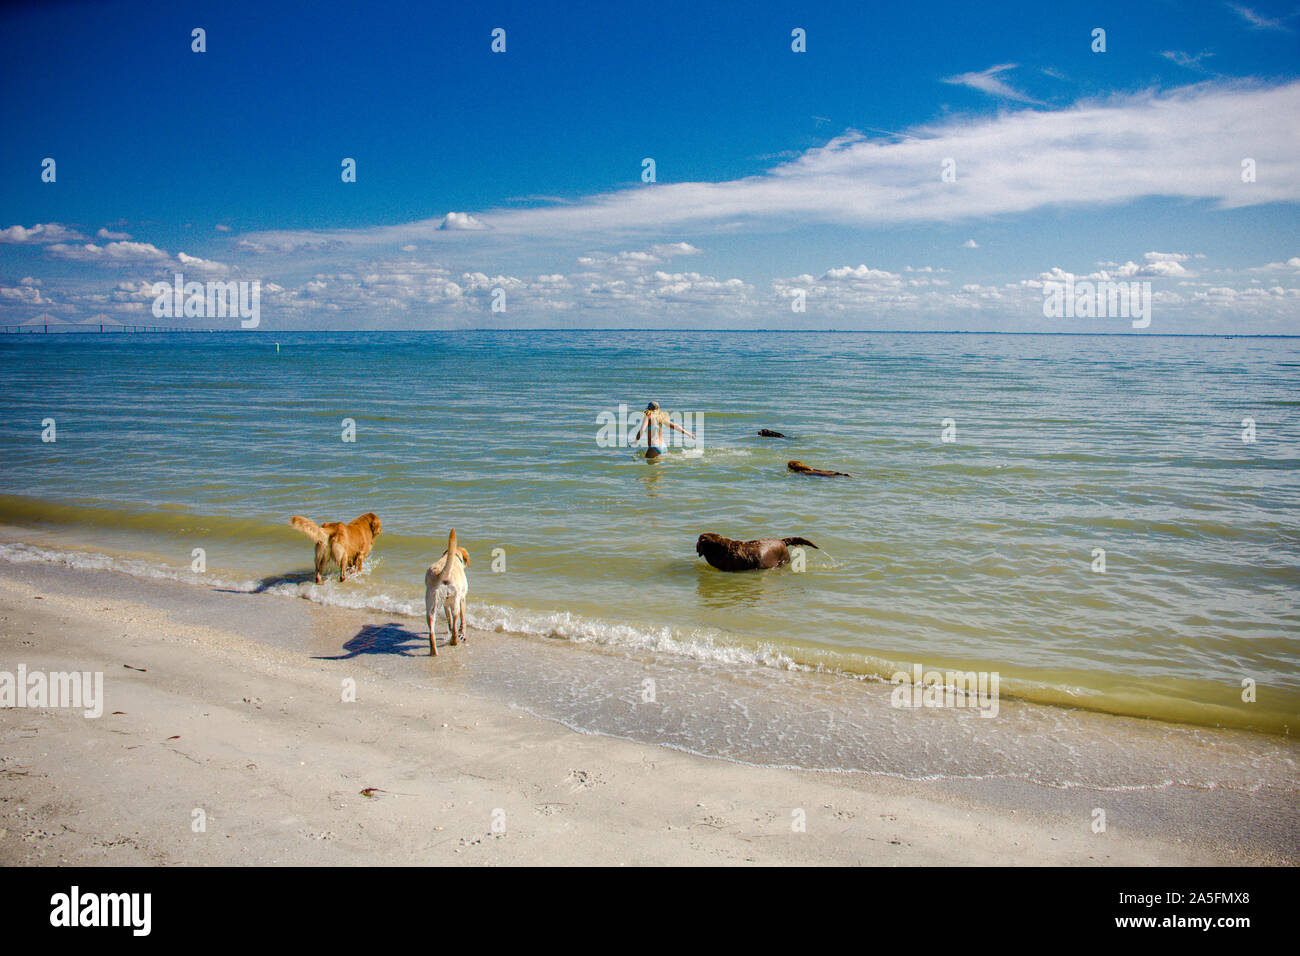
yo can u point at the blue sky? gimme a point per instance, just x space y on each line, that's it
778 174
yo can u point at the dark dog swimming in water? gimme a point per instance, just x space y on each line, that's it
726 554
800 468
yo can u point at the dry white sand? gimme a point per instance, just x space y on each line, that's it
258 738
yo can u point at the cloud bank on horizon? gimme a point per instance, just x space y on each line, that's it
954 222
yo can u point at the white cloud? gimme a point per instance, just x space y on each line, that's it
630 283
987 81
39 233
874 297
105 234
1166 265
26 292
970 244
283 243
667 250
1185 144
111 252
204 266
1155 265
1292 263
878 295
1185 59
1258 21
460 220
861 273
136 255
657 254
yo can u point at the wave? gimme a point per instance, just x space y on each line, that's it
700 645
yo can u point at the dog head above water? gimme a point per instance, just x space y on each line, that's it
372 519
709 541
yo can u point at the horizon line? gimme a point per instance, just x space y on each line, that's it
652 328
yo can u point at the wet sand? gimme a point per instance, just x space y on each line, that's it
238 712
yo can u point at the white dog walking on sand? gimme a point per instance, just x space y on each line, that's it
445 581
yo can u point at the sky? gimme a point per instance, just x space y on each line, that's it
922 167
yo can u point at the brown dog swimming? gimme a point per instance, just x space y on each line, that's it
347 543
800 468
726 554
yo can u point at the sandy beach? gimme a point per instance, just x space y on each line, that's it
844 438
200 714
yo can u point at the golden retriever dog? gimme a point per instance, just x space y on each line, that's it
727 554
445 581
347 543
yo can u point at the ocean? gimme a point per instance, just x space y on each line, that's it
980 553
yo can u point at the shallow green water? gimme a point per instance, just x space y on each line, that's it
974 554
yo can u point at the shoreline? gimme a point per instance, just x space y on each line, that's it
850 697
138 554
249 686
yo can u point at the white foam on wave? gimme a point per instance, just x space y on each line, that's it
676 453
698 645
724 453
20 553
353 598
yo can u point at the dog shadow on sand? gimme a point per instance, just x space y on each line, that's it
390 638
271 580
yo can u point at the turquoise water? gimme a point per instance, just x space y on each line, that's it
976 553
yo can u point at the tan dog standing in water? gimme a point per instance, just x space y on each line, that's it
347 543
446 581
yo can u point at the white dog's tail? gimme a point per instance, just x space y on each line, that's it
310 528
451 557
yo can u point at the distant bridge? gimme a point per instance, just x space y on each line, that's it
49 324
54 327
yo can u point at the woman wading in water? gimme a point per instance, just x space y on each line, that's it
652 425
